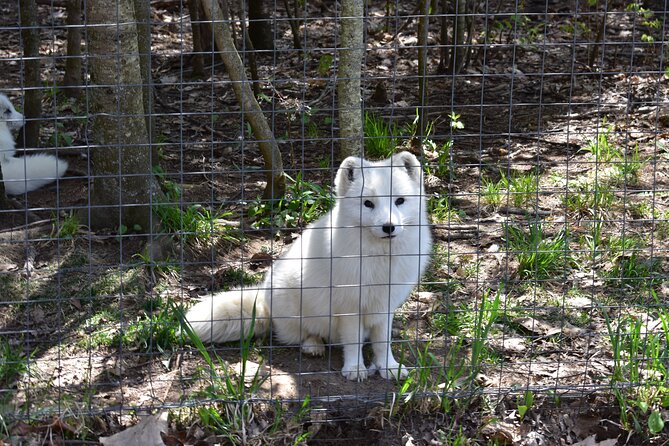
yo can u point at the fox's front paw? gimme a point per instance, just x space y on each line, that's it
393 371
313 346
356 372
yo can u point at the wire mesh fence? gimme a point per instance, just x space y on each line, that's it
171 151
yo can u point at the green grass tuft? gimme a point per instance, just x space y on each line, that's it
539 256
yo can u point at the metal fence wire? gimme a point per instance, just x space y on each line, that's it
156 154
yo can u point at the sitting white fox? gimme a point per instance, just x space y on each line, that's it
27 173
344 277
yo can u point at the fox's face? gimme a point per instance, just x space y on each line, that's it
13 119
384 197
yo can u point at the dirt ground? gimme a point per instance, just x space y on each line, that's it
529 102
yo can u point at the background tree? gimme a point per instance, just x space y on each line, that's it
197 60
423 92
349 71
32 99
72 77
260 26
294 22
276 179
143 17
123 183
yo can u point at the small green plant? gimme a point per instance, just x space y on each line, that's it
634 271
662 225
230 417
638 358
238 277
486 316
429 383
13 364
455 321
325 64
60 138
646 18
628 169
456 124
523 188
380 136
524 404
590 199
491 193
303 203
601 148
156 330
193 223
67 227
441 165
440 210
539 256
420 379
167 267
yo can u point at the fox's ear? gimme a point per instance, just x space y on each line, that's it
349 171
409 161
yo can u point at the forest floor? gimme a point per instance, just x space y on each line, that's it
541 319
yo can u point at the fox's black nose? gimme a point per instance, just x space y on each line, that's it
388 228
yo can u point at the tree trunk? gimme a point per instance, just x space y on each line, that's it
123 185
143 17
423 92
72 79
458 51
349 70
260 26
294 23
443 37
196 27
249 53
276 181
32 109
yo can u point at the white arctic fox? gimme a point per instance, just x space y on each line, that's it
344 277
21 174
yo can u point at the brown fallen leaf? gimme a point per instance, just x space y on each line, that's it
145 433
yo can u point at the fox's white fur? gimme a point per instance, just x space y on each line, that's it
27 173
344 277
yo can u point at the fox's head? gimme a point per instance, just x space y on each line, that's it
384 197
8 115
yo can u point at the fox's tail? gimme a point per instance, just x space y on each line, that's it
229 316
21 174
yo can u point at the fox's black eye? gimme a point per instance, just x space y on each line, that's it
369 204
399 201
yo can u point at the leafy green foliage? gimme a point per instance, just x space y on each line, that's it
639 357
440 210
13 364
303 203
381 137
192 222
229 417
539 256
66 227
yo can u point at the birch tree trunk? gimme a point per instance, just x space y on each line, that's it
276 179
123 184
349 70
